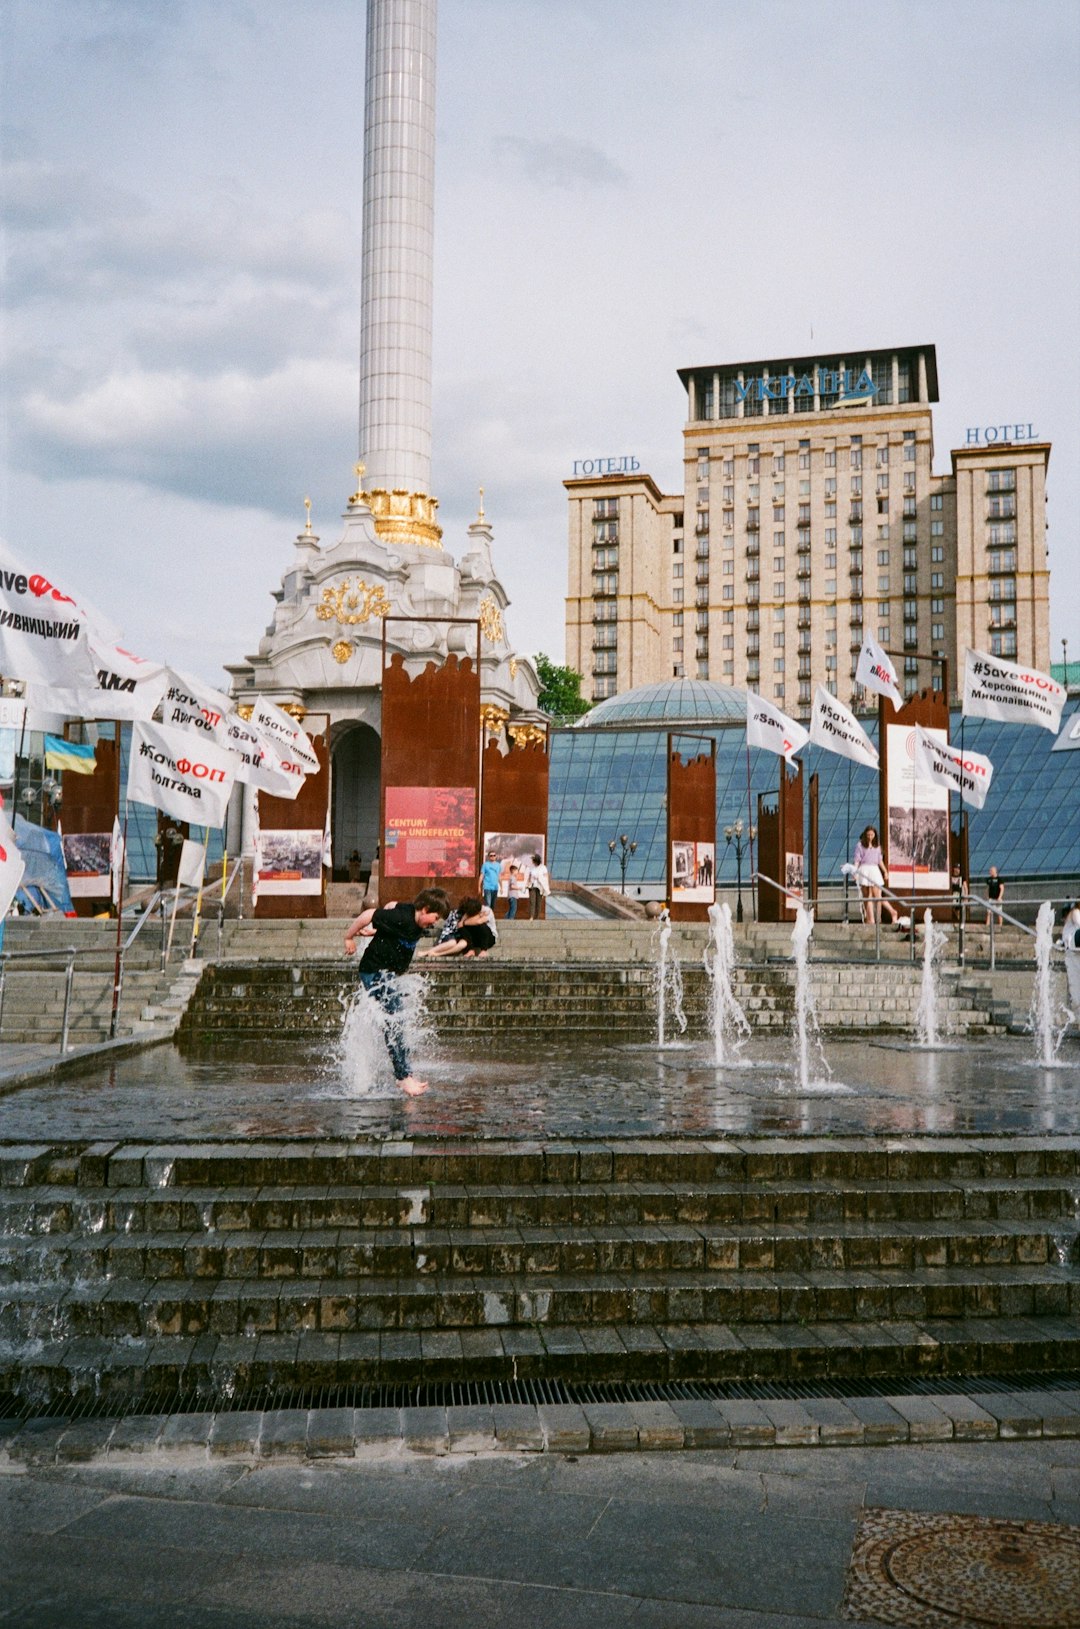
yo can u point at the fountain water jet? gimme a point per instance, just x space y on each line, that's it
807 1037
926 1019
729 1024
1049 1019
669 987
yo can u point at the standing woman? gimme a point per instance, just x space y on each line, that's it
871 875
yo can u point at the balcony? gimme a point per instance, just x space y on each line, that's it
701 576
804 594
753 574
702 551
911 642
604 644
1006 622
804 670
804 545
804 619
999 568
753 619
803 573
753 547
753 648
855 592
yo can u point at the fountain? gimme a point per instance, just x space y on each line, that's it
1049 1019
807 1037
362 1061
669 986
729 1024
926 1019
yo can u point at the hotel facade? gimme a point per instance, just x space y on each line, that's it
810 517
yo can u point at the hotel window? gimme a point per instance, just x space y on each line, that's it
882 456
855 460
778 492
1001 508
830 458
778 614
778 540
753 465
729 568
778 514
606 582
603 688
830 486
728 516
605 531
677 568
702 497
830 560
883 482
778 664
909 446
728 591
1003 533
911 582
937 630
703 670
883 633
605 557
937 500
1004 560
830 583
883 557
804 455
937 528
606 611
728 641
605 661
778 464
911 532
1003 644
778 562
753 492
605 508
883 583
937 579
804 514
727 468
909 480
729 668
909 508
856 486
677 620
778 639
937 552
830 536
728 616
804 489
830 664
1001 480
678 671
778 692
676 596
729 494
883 533
752 593
855 537
830 511
937 608
753 519
911 559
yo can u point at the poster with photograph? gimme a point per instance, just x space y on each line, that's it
87 857
289 862
693 873
430 831
918 818
793 874
513 848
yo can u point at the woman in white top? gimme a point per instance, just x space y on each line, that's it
539 885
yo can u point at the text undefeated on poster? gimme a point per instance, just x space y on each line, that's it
918 817
430 831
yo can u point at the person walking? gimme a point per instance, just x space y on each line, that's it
871 876
489 880
959 889
394 931
539 886
517 890
995 893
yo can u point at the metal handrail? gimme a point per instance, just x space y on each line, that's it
69 954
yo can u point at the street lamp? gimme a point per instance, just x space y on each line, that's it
625 848
742 837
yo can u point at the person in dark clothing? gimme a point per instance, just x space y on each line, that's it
471 935
995 893
394 931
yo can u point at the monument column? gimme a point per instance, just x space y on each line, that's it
396 280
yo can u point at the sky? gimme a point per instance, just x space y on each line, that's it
622 189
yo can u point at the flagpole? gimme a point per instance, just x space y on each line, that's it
118 970
750 830
18 755
847 835
196 914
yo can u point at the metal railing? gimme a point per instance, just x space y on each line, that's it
69 953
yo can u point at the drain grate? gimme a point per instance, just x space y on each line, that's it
473 1393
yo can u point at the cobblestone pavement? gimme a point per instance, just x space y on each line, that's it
733 1539
303 1091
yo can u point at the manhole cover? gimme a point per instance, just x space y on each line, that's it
964 1572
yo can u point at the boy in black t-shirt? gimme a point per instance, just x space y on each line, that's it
394 932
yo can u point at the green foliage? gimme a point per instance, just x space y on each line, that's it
560 690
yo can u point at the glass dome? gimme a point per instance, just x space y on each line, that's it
671 703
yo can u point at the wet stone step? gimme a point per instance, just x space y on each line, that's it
89 1367
128 1307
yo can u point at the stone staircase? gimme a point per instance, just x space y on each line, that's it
134 1272
34 984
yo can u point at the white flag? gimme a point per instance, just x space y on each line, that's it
261 764
1015 695
835 727
125 687
768 727
875 672
184 777
1069 739
117 861
189 873
939 764
12 866
189 704
43 631
270 720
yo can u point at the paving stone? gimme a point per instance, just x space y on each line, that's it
658 1426
880 1421
284 1434
470 1428
187 1431
970 1423
84 1440
611 1426
565 1428
377 1427
37 1442
517 1425
926 1420
748 1424
837 1425
794 1425
236 1434
331 1433
1017 1413
703 1425
424 1430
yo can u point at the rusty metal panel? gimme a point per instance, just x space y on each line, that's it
691 819
307 811
515 793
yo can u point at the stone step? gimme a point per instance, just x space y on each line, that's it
47 1213
222 1166
90 1367
725 1249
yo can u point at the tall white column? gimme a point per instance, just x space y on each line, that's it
396 282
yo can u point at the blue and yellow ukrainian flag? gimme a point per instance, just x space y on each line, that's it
60 754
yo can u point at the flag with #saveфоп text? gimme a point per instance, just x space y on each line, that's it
768 727
835 727
183 776
875 671
43 630
939 764
997 689
273 722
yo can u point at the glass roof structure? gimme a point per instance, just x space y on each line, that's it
610 779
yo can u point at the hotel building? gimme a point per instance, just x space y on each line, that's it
810 517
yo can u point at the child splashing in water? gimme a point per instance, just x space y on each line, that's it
394 931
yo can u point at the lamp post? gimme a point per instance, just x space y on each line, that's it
742 837
625 848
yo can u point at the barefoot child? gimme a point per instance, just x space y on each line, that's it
394 931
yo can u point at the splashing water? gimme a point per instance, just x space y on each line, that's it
363 1063
926 1019
669 988
1049 1019
807 1037
729 1024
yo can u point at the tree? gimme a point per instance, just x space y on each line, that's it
560 690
